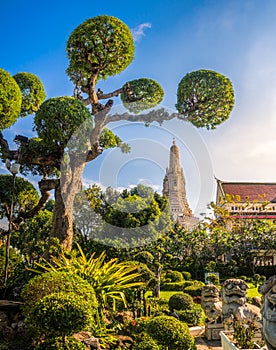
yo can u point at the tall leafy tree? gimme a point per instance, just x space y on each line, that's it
98 48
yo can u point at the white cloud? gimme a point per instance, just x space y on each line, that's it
139 31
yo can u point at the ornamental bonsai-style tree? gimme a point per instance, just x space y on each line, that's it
98 48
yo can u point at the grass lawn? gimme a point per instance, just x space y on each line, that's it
163 294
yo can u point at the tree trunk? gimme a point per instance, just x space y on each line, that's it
65 192
158 269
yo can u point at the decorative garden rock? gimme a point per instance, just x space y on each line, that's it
268 291
235 306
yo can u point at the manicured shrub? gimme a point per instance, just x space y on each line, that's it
194 290
58 344
175 286
186 275
145 342
180 302
60 314
193 317
174 276
158 306
55 282
171 333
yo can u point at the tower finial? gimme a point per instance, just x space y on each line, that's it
174 143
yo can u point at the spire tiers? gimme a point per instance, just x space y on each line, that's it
174 189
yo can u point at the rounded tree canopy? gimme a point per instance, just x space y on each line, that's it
100 46
141 94
58 118
25 195
205 98
10 100
32 91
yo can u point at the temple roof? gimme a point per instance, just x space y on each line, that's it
249 190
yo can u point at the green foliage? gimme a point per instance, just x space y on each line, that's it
158 306
194 290
145 342
176 286
55 282
16 268
108 279
109 140
180 302
193 317
32 238
170 332
58 118
101 46
61 314
186 275
174 276
25 195
10 100
141 94
213 279
32 91
58 343
205 98
244 333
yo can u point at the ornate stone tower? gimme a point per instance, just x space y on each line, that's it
174 188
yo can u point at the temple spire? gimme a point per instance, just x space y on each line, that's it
174 188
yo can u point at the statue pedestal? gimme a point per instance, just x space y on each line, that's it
212 331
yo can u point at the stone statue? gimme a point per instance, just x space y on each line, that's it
211 304
235 306
268 291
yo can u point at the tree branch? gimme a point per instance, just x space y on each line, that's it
158 115
102 96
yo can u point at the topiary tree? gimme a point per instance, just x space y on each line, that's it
55 282
171 333
10 100
180 301
205 97
32 91
174 276
98 48
60 315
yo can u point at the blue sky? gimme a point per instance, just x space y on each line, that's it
235 38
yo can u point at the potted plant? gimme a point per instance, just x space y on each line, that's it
242 337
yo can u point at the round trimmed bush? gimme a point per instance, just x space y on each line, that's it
56 282
61 314
174 276
180 301
193 317
170 332
32 90
58 344
10 100
59 117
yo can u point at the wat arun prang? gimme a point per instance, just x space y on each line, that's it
174 187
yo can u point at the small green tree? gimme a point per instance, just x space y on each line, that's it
61 315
